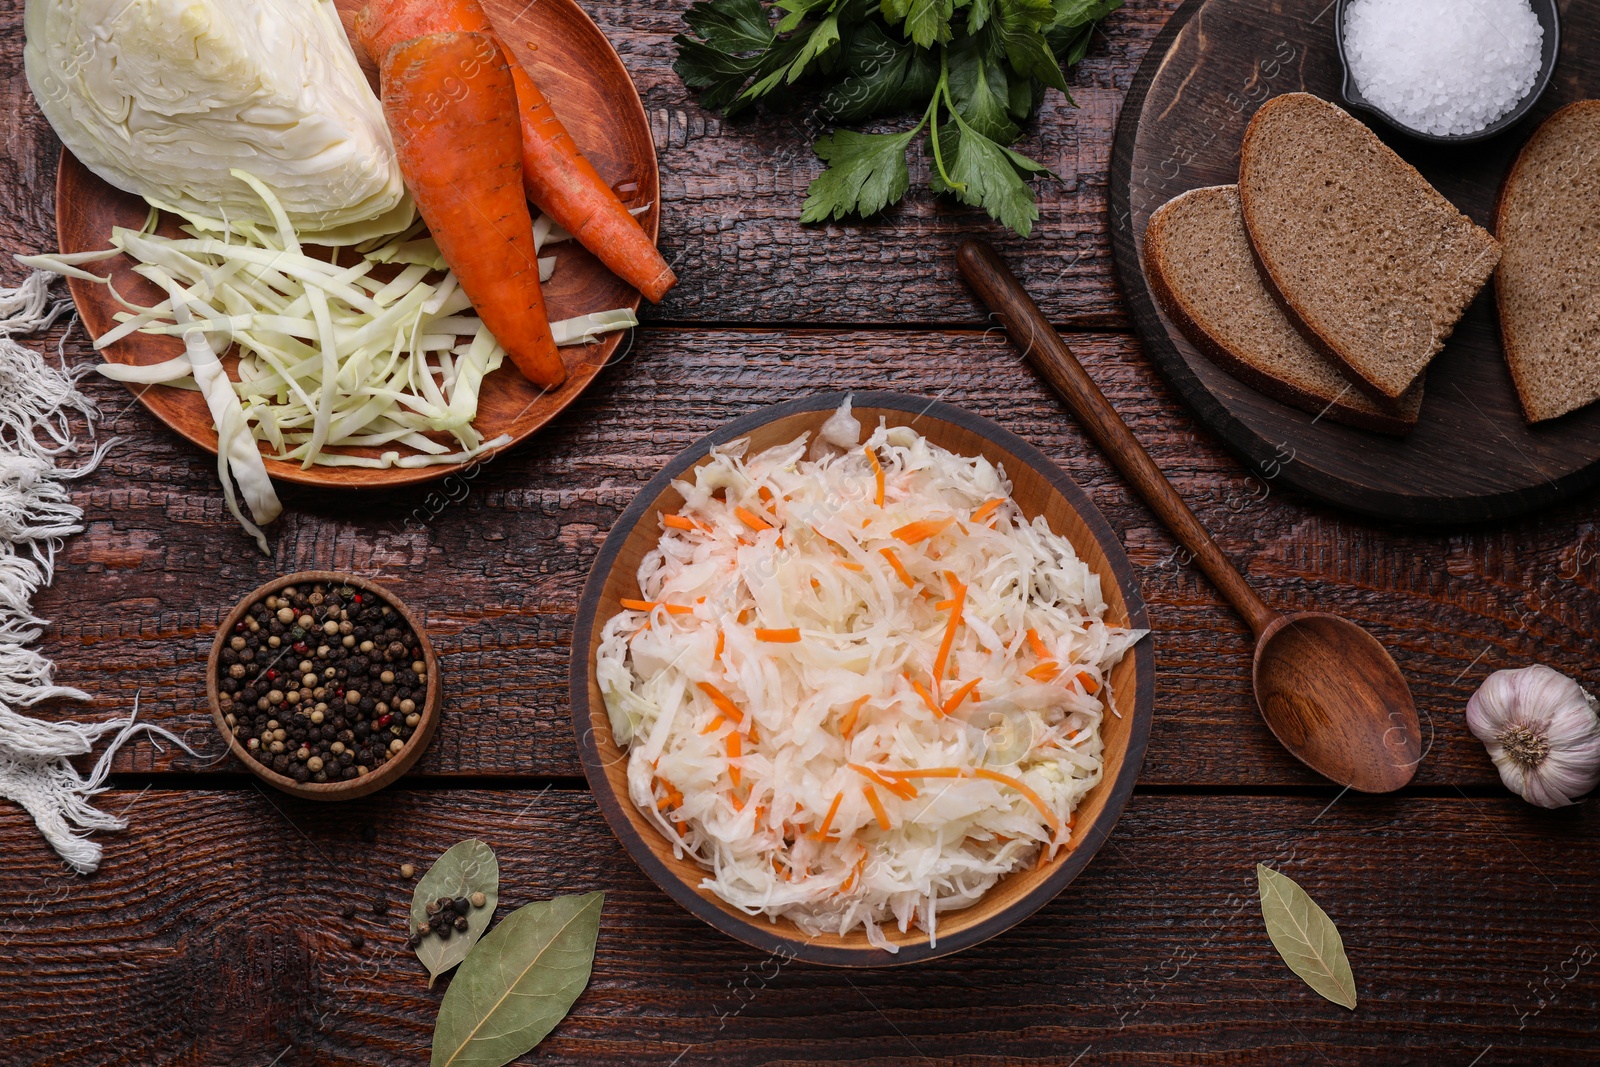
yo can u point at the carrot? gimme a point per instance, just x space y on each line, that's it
849 566
984 510
765 494
733 744
927 697
899 568
751 519
679 522
724 705
847 721
877 473
721 640
555 175
877 807
943 658
1090 686
784 637
921 530
902 789
1044 672
448 99
651 605
821 832
960 694
1037 645
711 727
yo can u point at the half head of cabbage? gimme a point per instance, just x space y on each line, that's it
167 98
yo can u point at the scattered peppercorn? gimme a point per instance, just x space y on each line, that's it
461 923
479 900
309 712
407 871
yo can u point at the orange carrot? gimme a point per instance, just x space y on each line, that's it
651 605
711 727
450 104
927 697
821 832
721 639
733 754
994 776
555 175
751 519
1090 686
724 705
943 658
983 511
847 721
960 694
1037 645
849 566
1044 672
877 807
877 473
679 522
783 637
921 530
765 494
899 568
902 789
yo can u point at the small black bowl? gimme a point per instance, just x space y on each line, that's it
1549 18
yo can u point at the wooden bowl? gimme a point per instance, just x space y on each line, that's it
597 102
356 787
1040 488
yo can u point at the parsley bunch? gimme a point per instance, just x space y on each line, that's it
977 69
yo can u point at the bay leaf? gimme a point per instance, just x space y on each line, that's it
1305 937
466 867
518 983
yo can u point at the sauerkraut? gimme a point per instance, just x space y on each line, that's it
860 687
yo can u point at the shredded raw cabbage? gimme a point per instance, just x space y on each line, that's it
861 687
330 356
167 98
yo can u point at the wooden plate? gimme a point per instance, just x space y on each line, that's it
577 67
1039 488
1471 457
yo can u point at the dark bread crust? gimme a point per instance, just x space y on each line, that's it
1508 189
1297 314
1177 309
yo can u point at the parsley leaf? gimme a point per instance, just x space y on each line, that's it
866 173
975 69
988 175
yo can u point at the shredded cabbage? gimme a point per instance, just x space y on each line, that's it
167 98
858 706
330 356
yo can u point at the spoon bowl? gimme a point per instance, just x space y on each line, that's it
1334 697
1326 688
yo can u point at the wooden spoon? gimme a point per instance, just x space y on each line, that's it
1326 688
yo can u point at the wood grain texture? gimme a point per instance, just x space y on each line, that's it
1472 455
496 576
213 935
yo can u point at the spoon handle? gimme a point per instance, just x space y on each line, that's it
1030 331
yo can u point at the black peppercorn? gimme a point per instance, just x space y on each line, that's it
461 905
461 922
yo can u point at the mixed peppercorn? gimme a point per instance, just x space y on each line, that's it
322 683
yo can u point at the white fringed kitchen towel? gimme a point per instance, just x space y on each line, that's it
37 403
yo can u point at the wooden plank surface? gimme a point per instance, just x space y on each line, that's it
214 935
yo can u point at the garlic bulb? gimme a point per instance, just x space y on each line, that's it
1542 732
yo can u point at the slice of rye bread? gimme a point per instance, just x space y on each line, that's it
1548 285
1368 260
1198 261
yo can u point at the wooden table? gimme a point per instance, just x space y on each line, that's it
213 933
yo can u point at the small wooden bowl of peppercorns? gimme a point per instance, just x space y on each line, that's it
324 685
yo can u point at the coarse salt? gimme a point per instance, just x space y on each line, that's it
1443 67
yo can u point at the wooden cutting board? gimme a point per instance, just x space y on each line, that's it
1472 457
